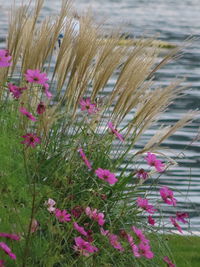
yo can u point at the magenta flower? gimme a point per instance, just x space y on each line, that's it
10 236
141 174
94 215
62 215
145 251
114 242
7 250
15 90
83 156
115 132
80 229
35 76
169 263
77 211
151 220
106 175
31 139
134 247
104 232
174 222
181 217
153 161
140 235
5 58
144 204
2 263
41 108
27 114
50 204
84 247
46 91
88 106
167 196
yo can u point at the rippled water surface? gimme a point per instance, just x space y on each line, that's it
172 21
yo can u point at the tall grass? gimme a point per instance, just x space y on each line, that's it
77 120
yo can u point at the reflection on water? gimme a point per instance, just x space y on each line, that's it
173 21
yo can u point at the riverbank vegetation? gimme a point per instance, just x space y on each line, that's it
73 191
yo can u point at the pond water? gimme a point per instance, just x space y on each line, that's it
172 21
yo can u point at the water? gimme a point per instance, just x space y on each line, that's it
172 21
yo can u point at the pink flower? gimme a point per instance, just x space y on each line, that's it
167 196
15 90
41 108
153 161
140 235
181 217
88 106
145 250
46 91
87 163
151 220
106 175
115 132
27 114
80 229
50 204
62 215
104 232
142 174
10 236
114 242
169 263
134 247
2 263
34 225
77 211
174 222
84 247
94 215
31 139
35 76
5 58
143 203
7 250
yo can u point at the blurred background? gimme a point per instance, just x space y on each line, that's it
172 21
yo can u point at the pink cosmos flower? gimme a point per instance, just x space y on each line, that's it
114 242
151 220
140 235
174 222
27 114
15 90
31 139
104 232
41 108
88 106
80 229
141 174
62 215
84 247
87 163
106 175
5 58
167 196
46 91
115 132
153 161
145 250
144 204
77 211
2 263
50 204
134 247
169 263
94 215
181 217
35 76
10 236
7 250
